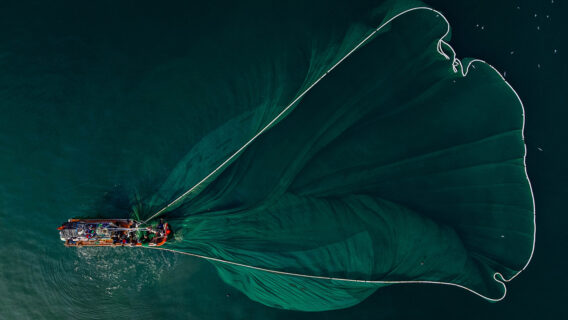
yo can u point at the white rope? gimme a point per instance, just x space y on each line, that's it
128 229
259 268
226 162
387 282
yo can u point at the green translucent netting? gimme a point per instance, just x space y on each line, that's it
394 167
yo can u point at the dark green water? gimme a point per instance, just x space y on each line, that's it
100 102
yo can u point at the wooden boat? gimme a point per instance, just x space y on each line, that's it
112 233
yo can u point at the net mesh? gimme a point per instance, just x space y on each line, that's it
394 167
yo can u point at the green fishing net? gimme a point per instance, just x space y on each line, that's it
369 158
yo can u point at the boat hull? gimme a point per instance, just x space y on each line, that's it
111 233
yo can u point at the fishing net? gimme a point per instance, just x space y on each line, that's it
372 158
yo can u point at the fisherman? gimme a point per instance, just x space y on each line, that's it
115 239
90 232
161 225
134 238
124 239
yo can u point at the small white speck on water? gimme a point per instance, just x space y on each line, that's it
539 149
551 1
482 27
477 25
502 236
555 51
538 65
454 81
537 27
504 74
512 52
518 8
535 15
547 16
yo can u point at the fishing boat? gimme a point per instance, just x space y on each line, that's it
112 233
